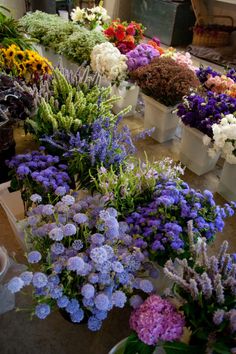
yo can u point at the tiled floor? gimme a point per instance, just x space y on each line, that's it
20 335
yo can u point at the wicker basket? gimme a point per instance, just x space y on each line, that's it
211 38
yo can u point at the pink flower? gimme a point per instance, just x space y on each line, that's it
157 320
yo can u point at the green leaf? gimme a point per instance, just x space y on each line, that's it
221 348
180 348
135 346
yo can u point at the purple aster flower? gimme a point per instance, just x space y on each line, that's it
94 324
118 267
69 230
72 306
77 316
54 279
42 311
26 277
218 317
62 302
99 255
36 198
77 245
100 315
57 248
60 191
146 285
97 239
56 292
80 218
39 280
48 209
102 302
75 264
119 299
56 234
93 278
15 285
88 291
135 301
34 257
68 200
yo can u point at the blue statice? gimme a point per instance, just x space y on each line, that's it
42 311
160 227
26 277
34 257
83 268
15 284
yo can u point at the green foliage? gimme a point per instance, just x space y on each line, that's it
62 36
12 33
135 346
68 107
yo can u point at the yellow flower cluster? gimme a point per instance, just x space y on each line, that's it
26 64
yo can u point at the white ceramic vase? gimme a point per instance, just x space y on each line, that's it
194 154
120 347
161 118
227 185
128 94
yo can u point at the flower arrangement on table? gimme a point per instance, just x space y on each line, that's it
135 182
165 80
24 64
91 18
160 227
126 36
205 286
224 138
38 173
203 110
85 263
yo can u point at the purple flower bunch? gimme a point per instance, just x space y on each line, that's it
140 56
160 227
88 256
38 172
101 143
157 320
203 73
201 111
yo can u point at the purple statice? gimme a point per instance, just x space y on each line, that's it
203 73
36 198
69 230
160 227
88 291
75 264
77 316
77 245
57 248
39 280
56 234
201 111
62 302
141 55
119 299
102 302
34 257
42 311
72 306
26 277
157 320
80 218
15 284
94 324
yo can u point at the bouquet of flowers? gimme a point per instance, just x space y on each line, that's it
203 110
135 182
37 172
142 55
224 138
91 18
165 80
85 263
154 322
109 62
160 227
206 288
124 35
24 64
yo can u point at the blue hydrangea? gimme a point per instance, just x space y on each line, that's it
56 234
112 212
100 315
62 302
98 255
72 306
94 324
68 200
97 239
119 299
48 209
77 316
36 198
77 245
57 248
88 291
146 285
80 218
26 277
42 311
15 284
93 278
39 280
102 302
75 264
60 191
34 257
69 230
56 292
135 301
88 302
109 251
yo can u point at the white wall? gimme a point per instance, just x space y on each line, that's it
17 7
118 8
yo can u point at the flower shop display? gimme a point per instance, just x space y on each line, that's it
38 173
84 262
164 83
126 36
11 32
224 141
141 55
135 183
24 64
160 227
61 37
199 112
91 18
206 289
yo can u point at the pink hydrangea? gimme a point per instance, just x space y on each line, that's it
157 320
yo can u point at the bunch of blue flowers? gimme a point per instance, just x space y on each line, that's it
160 227
86 263
38 172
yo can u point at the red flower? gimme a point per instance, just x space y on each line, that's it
130 30
125 47
109 32
120 33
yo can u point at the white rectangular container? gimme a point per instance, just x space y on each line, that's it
227 185
128 94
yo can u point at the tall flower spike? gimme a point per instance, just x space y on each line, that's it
193 288
219 289
206 285
223 249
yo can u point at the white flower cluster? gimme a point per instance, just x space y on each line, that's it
109 62
224 138
96 14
